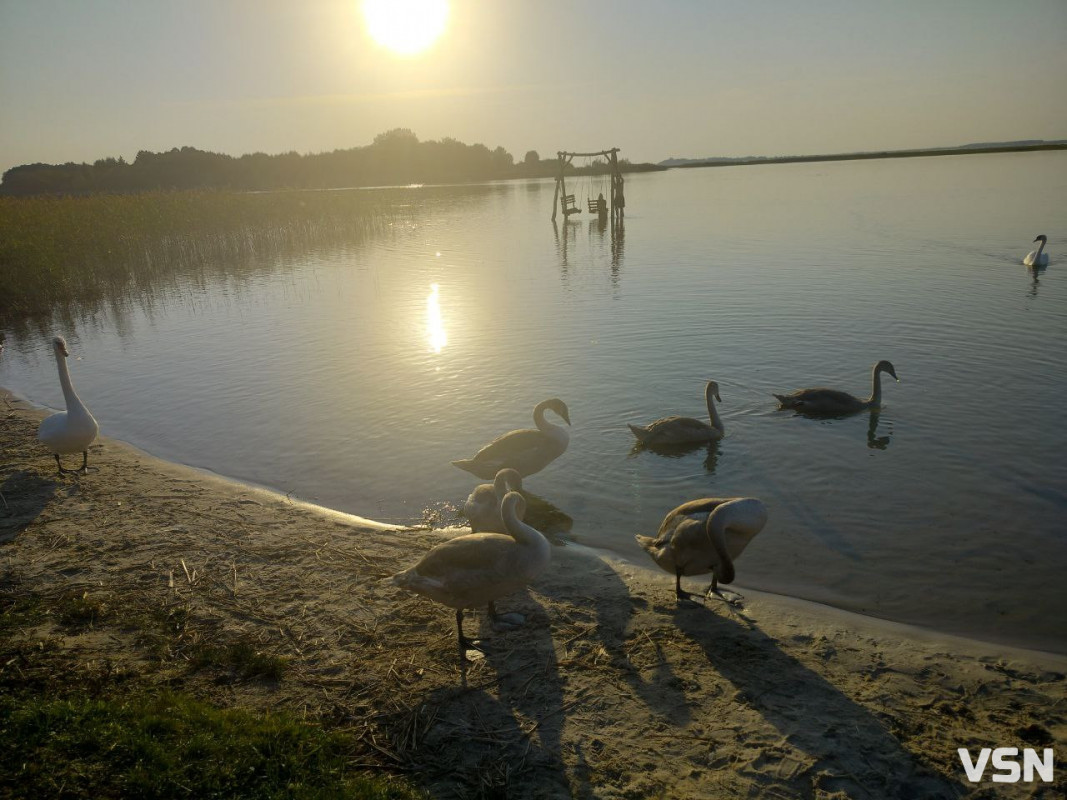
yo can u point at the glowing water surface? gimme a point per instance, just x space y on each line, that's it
352 376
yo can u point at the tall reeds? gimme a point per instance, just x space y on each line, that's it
68 251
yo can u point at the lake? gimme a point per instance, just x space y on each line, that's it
352 375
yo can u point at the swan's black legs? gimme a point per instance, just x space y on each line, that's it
678 590
714 590
83 469
85 463
465 644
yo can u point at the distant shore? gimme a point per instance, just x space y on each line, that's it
611 689
919 153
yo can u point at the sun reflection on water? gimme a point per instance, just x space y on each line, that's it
434 324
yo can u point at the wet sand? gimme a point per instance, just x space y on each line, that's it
611 689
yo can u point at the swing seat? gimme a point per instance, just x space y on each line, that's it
568 205
595 206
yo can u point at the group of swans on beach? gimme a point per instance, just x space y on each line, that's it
503 553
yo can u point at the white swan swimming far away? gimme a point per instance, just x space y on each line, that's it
684 430
833 401
482 508
705 535
480 568
1038 257
526 451
73 430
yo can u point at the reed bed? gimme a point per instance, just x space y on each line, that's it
58 252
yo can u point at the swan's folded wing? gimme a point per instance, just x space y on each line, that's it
701 506
824 395
509 445
470 552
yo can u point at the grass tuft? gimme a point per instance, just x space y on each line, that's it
171 746
79 612
241 660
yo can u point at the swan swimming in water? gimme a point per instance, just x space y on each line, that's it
73 430
705 535
1037 258
684 430
480 568
527 451
482 508
832 401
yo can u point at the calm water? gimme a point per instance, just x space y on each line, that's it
347 379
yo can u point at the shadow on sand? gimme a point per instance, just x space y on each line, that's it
23 496
855 755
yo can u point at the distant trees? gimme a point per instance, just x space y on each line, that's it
395 157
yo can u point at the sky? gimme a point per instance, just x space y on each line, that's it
87 79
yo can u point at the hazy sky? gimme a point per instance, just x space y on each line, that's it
84 79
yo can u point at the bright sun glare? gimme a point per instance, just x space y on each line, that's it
406 27
434 323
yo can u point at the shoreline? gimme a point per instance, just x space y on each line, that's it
611 689
813 606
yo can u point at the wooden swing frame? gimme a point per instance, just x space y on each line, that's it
565 203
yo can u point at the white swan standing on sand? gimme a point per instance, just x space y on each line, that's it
526 451
833 401
703 536
482 508
684 430
73 430
480 568
1038 257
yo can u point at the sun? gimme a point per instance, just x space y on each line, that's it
406 27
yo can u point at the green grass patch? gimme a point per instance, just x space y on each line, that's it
172 746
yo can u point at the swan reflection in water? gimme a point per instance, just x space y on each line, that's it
875 442
711 451
1035 282
435 326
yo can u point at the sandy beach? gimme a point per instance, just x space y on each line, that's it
611 689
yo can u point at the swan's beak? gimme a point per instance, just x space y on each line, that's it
719 399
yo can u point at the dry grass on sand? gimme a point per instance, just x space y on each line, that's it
156 576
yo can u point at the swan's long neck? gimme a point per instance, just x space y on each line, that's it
876 389
716 529
539 418
500 485
555 431
512 514
538 549
74 403
1040 247
745 516
716 420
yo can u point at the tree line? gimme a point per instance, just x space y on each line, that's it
396 157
